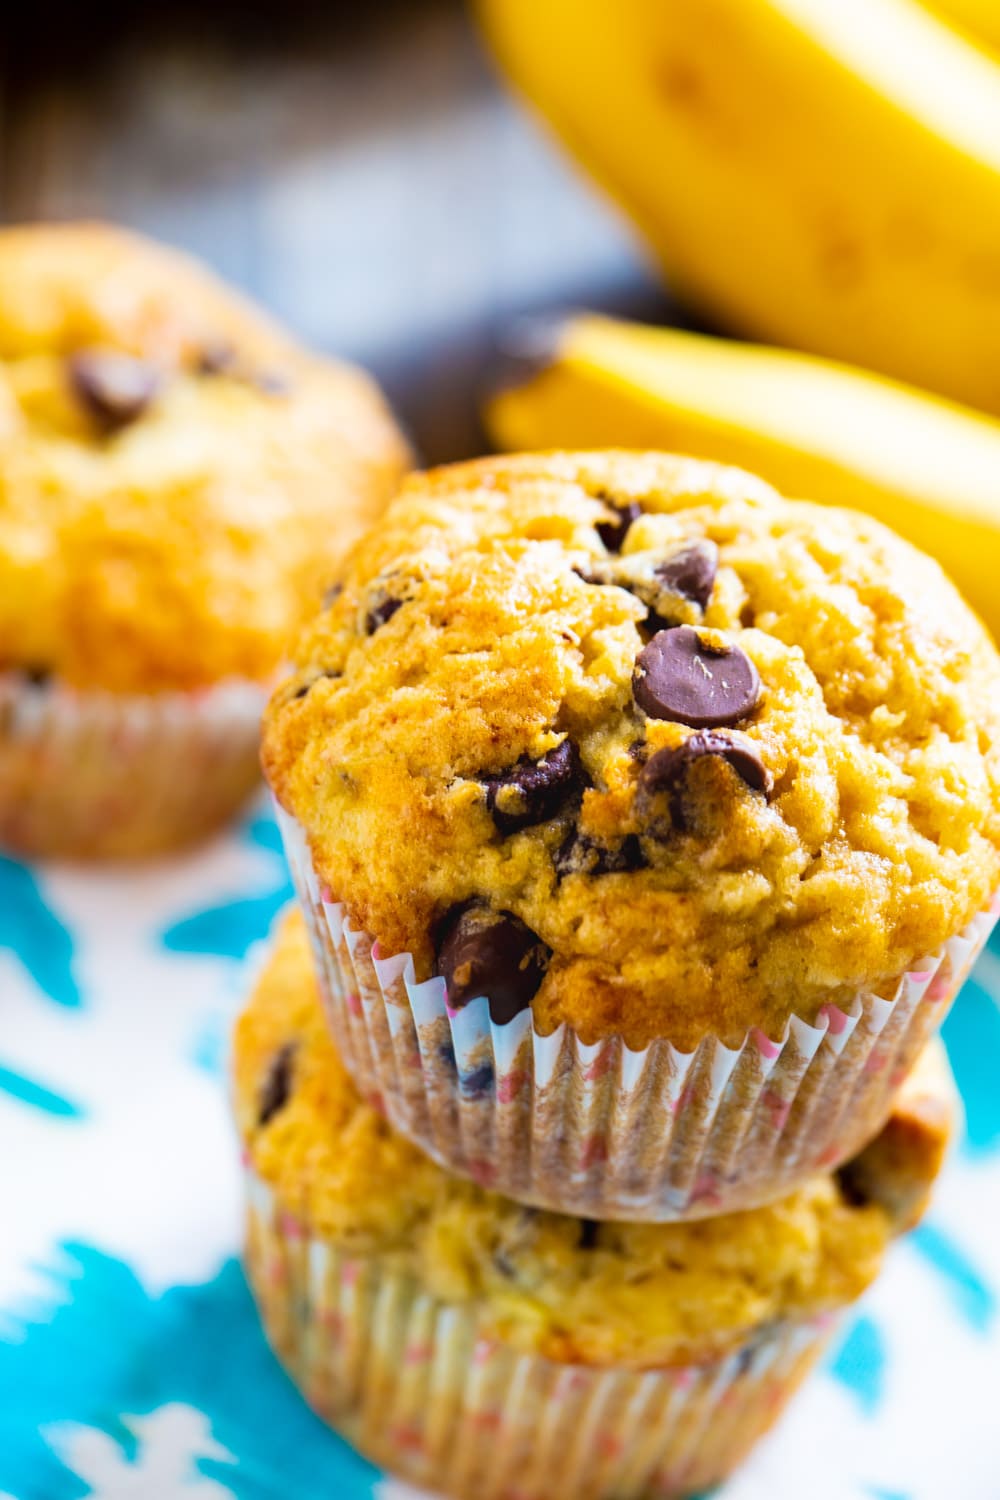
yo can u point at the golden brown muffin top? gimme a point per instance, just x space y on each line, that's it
719 757
177 477
625 1294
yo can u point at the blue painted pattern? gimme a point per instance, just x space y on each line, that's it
131 1361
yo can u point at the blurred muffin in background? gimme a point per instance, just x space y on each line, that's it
482 1348
177 478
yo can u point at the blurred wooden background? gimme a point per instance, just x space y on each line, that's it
357 168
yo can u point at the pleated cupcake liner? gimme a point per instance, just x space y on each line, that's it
422 1387
601 1131
85 773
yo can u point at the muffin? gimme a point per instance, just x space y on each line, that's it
484 1349
177 478
646 821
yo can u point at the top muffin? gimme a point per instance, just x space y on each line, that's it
176 476
636 741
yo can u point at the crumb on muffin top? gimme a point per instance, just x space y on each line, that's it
629 1294
636 741
177 476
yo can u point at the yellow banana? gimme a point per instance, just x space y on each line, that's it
821 173
979 18
926 467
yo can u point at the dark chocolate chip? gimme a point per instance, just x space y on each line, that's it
36 677
666 771
381 613
691 572
580 855
115 388
854 1186
613 532
681 677
589 1231
490 953
533 791
478 1083
277 1085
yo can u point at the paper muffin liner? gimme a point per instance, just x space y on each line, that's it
601 1131
91 773
421 1388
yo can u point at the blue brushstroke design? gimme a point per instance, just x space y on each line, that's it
880 1494
860 1364
35 1094
970 1294
33 933
231 929
972 1035
104 1347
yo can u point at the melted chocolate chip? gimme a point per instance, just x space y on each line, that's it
691 572
380 614
277 1085
682 677
115 388
580 855
533 791
613 532
483 952
666 771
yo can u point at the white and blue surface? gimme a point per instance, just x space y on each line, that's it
131 1364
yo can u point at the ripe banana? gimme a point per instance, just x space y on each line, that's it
980 19
820 173
926 467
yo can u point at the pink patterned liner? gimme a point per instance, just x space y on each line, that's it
421 1389
603 1132
87 773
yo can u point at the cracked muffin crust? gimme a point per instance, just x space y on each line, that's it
638 1295
177 477
636 741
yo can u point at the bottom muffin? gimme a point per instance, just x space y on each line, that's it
489 1350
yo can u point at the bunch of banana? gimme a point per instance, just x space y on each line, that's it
926 467
823 174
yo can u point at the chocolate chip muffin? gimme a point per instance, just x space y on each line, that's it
177 478
633 746
421 1313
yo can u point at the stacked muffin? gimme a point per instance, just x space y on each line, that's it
644 824
177 477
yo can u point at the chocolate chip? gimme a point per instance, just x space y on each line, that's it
666 771
691 572
115 388
854 1186
682 677
277 1085
380 614
589 1232
613 533
36 677
580 855
332 594
533 791
483 952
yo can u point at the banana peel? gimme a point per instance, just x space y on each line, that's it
926 467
